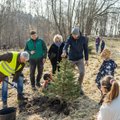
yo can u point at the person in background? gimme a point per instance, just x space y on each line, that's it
55 52
12 63
107 68
38 53
97 44
77 44
102 45
47 77
110 109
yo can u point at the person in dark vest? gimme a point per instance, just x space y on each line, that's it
12 64
102 45
37 49
55 52
77 45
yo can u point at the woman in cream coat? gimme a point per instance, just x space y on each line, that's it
110 109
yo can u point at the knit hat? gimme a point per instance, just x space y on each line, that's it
75 31
25 54
106 53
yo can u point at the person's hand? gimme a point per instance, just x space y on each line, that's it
86 63
32 52
44 60
64 54
14 84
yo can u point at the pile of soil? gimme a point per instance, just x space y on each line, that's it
43 103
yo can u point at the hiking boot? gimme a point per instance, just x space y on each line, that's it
5 104
38 85
20 97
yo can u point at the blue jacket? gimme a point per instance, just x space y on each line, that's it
77 47
103 44
107 68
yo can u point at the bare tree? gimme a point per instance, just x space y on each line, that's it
49 17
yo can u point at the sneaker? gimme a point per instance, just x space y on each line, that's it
5 105
38 85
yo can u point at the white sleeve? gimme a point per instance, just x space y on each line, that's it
103 113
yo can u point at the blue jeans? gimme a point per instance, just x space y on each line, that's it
5 88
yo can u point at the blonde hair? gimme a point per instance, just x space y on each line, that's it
58 37
106 53
112 88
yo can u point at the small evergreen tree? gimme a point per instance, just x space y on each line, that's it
64 84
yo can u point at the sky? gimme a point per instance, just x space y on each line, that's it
40 3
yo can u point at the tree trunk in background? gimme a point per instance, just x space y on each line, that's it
50 17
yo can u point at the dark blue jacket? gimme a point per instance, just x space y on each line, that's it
77 47
107 68
102 45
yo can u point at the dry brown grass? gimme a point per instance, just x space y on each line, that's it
85 107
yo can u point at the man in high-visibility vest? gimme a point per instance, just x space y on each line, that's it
12 64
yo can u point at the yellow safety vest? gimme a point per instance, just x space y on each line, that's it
9 68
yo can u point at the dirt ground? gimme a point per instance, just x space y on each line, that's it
83 108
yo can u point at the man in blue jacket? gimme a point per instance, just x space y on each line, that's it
77 44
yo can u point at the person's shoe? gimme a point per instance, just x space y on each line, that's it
5 104
38 85
34 88
81 92
21 97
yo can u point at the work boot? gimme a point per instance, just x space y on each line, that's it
20 97
5 104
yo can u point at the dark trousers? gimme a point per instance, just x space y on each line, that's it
55 66
102 48
97 48
33 64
